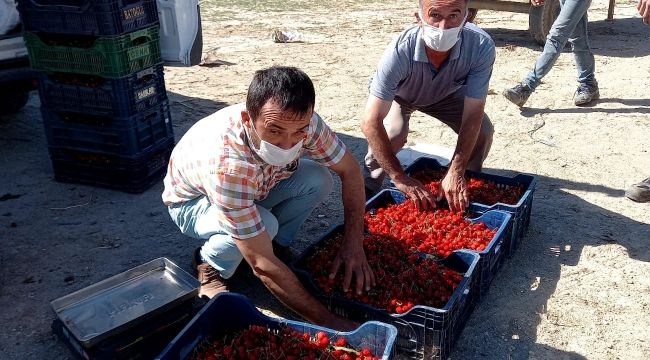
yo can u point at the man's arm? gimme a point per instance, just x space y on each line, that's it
351 254
454 186
277 277
373 129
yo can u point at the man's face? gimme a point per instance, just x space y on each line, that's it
443 14
283 129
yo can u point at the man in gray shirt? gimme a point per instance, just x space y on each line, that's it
441 67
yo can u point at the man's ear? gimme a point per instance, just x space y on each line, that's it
244 117
417 17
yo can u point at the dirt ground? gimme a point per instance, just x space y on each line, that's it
578 287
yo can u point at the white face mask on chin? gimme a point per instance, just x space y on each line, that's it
274 155
439 39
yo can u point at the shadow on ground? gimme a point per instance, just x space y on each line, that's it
628 33
633 106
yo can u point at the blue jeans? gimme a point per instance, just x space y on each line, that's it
283 211
570 25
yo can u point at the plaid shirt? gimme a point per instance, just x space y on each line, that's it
214 159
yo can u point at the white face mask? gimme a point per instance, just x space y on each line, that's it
439 39
274 155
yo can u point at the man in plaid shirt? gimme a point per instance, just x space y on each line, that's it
236 179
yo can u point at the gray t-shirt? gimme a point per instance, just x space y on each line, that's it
404 70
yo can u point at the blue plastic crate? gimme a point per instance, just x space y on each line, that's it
229 312
520 211
132 175
423 332
95 95
122 136
87 17
494 255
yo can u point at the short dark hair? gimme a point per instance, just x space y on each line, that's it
288 86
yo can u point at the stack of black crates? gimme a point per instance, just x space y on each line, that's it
104 104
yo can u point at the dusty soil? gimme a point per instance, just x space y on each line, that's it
579 285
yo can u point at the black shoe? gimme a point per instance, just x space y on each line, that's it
586 94
518 95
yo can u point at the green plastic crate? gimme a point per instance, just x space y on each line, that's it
110 57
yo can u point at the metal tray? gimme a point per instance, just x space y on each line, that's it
118 303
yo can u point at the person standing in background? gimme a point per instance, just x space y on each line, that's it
570 25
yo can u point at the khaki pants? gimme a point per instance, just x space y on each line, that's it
449 111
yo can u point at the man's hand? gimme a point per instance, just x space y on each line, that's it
454 187
416 191
537 2
644 10
353 258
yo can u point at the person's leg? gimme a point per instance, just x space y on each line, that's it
583 55
588 89
292 200
396 124
450 112
198 219
571 13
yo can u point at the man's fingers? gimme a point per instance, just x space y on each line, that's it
367 273
360 277
431 199
336 264
464 200
347 277
450 199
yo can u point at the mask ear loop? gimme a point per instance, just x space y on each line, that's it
462 24
248 134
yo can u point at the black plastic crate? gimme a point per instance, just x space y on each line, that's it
95 95
123 136
423 332
87 17
233 312
520 211
494 255
113 172
142 342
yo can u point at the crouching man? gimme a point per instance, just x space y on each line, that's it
237 180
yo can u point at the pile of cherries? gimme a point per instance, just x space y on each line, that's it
435 231
404 277
262 343
480 190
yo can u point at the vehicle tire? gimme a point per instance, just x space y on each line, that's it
541 18
11 102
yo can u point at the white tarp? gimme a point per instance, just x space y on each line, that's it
8 16
412 152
